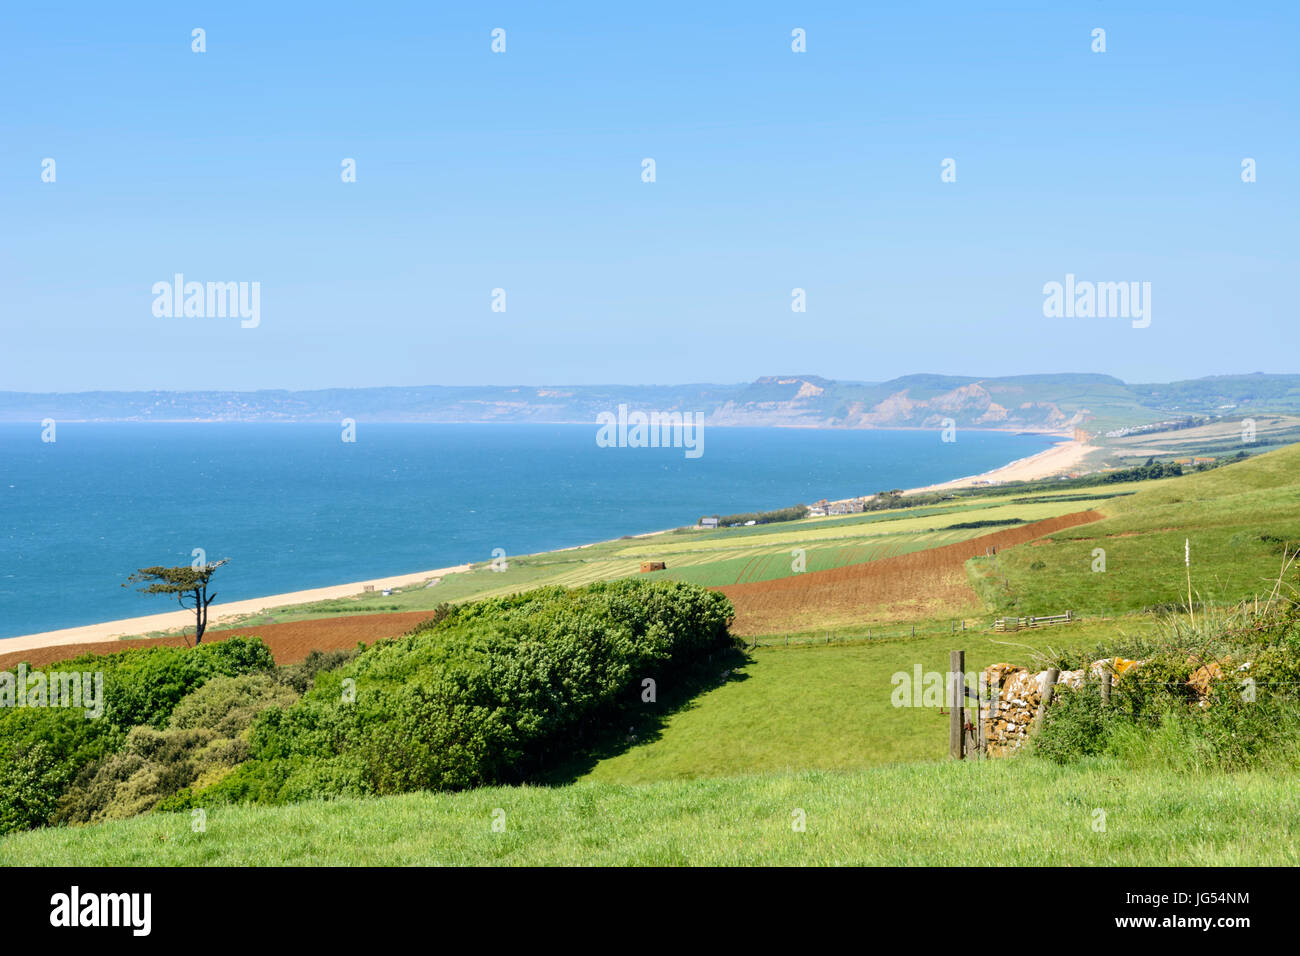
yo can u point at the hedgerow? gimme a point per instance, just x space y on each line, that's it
492 692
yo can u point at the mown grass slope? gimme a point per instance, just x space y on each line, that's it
1004 813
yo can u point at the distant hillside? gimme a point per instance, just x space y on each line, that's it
1037 402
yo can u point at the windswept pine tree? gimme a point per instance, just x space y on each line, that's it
187 582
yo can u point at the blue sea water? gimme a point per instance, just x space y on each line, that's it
295 507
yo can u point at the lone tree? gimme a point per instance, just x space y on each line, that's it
187 583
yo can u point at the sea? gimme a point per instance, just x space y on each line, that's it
295 506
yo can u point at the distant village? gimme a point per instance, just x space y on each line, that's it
818 509
850 506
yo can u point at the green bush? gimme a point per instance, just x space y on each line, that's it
142 686
288 780
30 781
1073 726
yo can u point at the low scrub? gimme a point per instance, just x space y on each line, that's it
1220 693
43 749
205 740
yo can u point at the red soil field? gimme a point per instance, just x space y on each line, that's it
921 584
289 642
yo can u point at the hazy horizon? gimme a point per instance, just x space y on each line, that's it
657 384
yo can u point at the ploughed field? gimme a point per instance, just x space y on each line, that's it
920 584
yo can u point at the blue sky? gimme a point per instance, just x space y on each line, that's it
522 171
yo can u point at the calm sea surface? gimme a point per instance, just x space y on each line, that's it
295 507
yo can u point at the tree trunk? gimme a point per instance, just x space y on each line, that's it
200 616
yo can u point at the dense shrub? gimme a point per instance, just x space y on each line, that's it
227 705
142 685
1172 734
302 675
31 778
492 692
43 749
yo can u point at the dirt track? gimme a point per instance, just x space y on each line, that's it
289 642
920 584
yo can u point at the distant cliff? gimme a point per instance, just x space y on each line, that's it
1028 402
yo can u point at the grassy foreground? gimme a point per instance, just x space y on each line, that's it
1021 812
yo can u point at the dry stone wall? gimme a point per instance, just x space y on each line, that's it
1008 717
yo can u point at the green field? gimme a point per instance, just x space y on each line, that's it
997 813
1238 520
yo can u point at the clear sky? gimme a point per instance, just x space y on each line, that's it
523 171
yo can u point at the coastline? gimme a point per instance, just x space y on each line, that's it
1061 457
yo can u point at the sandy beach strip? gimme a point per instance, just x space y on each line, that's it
217 613
1061 458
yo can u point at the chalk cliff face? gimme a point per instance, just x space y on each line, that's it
816 403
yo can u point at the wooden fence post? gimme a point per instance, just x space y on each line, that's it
956 723
1048 692
1105 685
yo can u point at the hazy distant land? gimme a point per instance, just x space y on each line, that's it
1052 402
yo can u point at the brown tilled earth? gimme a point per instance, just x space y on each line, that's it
921 584
289 642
